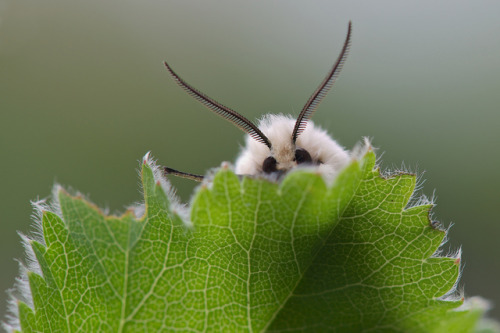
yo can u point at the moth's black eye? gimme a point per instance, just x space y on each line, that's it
269 165
302 156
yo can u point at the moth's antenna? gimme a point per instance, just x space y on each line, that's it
243 123
322 90
169 171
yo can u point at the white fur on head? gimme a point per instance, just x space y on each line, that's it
278 129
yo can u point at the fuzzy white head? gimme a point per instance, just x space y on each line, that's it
281 143
314 148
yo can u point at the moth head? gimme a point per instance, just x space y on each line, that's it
284 154
313 149
280 143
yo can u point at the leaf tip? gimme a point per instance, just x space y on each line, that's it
146 158
153 176
361 149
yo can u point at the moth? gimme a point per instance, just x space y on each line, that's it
280 143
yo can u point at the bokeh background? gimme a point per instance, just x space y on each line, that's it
84 95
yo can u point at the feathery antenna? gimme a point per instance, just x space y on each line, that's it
322 90
243 123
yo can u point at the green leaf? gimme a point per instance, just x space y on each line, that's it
253 256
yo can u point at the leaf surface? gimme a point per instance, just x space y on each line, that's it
254 256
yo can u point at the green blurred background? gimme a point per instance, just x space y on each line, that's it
84 95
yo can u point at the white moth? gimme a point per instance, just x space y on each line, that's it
281 143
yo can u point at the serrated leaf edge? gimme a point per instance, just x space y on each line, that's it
21 292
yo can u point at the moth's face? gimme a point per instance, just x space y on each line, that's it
284 154
314 147
286 159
